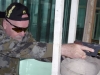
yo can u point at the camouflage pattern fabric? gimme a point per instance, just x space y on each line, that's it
11 51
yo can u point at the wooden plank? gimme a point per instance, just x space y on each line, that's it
73 21
59 10
89 21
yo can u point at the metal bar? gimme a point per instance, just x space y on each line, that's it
73 21
59 10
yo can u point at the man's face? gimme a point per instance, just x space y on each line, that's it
15 29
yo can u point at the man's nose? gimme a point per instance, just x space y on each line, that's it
22 33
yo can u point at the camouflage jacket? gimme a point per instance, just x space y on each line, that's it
11 51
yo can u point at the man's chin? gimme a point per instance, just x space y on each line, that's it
19 39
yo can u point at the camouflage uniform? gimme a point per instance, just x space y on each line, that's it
11 51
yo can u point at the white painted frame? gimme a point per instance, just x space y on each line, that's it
59 11
73 21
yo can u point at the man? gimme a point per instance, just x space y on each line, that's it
17 43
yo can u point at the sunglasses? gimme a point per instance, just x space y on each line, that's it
17 29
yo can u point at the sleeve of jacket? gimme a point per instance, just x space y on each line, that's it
49 51
38 50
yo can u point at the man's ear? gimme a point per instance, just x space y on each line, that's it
4 24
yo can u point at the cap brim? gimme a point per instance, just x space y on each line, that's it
2 14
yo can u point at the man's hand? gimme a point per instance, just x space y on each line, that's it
75 50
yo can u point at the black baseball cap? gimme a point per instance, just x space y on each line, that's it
15 12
